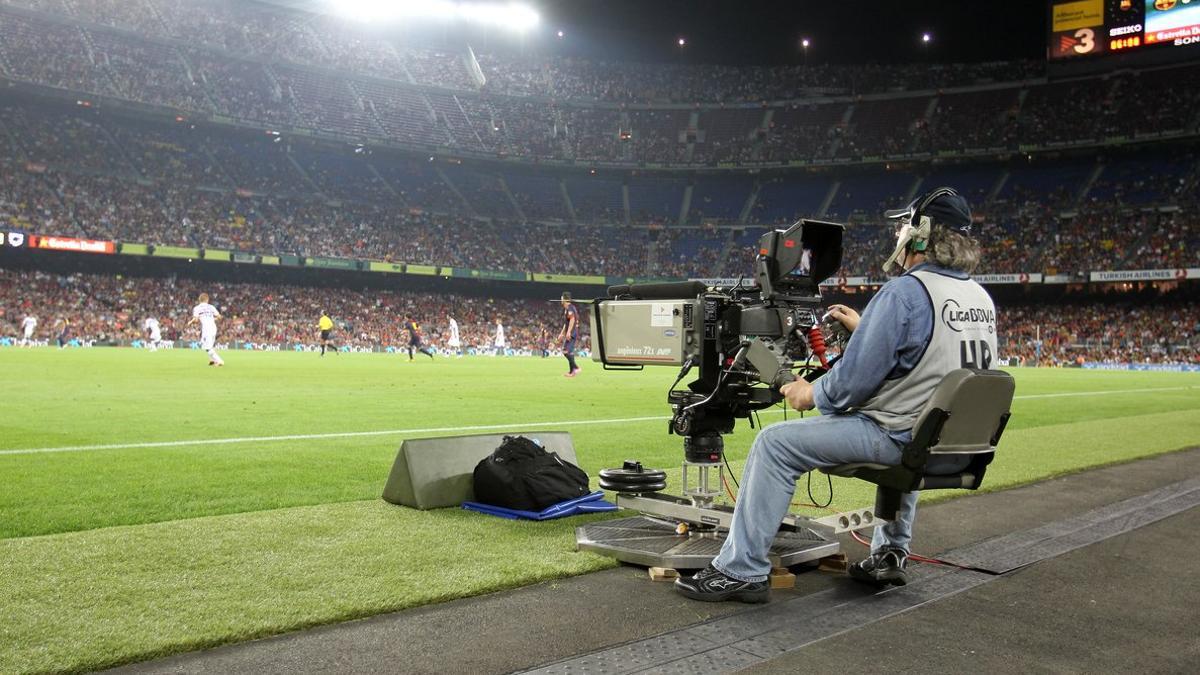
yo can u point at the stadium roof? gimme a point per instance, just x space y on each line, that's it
768 31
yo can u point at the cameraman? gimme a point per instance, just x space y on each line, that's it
897 354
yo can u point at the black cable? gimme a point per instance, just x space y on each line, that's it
730 470
810 494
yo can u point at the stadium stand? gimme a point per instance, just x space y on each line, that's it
273 67
277 132
161 183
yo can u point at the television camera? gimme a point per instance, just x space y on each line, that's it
746 340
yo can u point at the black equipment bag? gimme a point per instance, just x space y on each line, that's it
521 475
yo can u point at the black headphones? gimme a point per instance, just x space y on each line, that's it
922 224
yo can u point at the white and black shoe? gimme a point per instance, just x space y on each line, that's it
885 567
712 585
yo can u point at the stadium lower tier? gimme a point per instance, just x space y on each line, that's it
1117 328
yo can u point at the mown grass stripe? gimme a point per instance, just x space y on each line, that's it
339 434
481 427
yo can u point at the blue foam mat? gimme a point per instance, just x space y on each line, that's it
592 503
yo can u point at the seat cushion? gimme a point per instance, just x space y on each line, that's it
850 470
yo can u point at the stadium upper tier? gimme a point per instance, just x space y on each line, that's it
248 63
268 32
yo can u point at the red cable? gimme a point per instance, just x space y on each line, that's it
728 491
816 342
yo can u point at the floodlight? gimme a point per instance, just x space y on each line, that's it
513 15
682 42
926 37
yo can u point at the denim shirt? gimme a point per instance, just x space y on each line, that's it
895 328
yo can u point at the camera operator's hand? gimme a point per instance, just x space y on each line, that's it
799 394
848 317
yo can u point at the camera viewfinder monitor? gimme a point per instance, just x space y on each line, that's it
798 259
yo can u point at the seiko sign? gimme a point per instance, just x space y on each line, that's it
1125 30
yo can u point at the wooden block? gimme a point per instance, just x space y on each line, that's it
781 578
834 563
662 574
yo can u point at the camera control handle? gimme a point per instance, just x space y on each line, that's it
763 360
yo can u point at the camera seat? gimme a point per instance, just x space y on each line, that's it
954 440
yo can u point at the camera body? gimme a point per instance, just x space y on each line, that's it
745 339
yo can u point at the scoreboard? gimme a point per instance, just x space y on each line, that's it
1089 28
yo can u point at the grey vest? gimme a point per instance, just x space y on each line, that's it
964 336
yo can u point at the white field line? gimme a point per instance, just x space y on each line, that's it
1101 393
482 427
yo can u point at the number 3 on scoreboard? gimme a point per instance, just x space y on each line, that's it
1087 40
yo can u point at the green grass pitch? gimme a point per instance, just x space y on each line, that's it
121 538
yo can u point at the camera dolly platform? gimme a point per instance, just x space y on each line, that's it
687 532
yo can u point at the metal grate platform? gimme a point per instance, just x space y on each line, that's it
647 541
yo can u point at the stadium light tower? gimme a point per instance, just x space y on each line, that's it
804 43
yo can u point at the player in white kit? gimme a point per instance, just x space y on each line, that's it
499 344
153 333
454 344
28 324
207 315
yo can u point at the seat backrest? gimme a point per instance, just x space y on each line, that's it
977 402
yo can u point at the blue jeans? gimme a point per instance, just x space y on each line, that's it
779 456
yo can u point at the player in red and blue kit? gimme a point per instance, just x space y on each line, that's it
414 338
569 334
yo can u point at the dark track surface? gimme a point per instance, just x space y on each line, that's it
1123 604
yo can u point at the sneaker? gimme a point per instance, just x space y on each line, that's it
882 568
711 585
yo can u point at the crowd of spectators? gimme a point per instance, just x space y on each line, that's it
80 173
109 307
627 82
1172 242
1116 332
113 308
329 42
1105 237
1020 239
273 67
